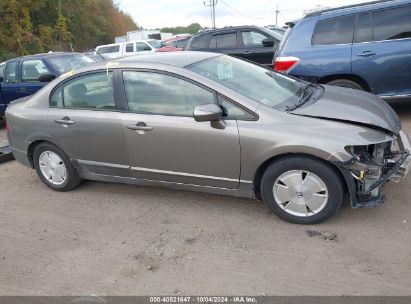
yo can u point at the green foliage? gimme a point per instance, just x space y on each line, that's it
34 26
193 28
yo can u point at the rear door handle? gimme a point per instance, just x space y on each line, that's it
65 121
140 126
366 54
247 53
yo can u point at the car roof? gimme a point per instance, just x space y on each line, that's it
178 59
355 8
46 55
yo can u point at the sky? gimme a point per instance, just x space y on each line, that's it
151 14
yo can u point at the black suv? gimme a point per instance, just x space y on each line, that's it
249 42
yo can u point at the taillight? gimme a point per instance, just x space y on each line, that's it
285 64
7 127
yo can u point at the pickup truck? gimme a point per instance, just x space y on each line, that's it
23 76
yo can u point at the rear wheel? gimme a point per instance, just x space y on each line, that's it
302 190
54 168
345 83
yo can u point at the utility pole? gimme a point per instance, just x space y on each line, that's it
276 16
212 4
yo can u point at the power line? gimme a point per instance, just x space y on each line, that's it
245 15
212 4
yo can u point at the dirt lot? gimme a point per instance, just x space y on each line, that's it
110 239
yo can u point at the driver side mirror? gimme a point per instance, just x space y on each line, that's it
268 42
210 112
46 77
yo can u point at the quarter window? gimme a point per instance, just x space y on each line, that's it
232 111
32 69
161 94
11 72
334 31
109 49
200 42
392 23
91 91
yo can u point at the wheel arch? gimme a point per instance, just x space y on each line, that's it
352 77
32 147
263 166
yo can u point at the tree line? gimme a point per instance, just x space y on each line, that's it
35 26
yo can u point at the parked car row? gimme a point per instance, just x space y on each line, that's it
24 76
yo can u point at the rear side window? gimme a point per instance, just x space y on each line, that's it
392 23
364 29
224 41
91 91
200 42
129 48
334 31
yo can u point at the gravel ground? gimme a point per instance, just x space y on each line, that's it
111 239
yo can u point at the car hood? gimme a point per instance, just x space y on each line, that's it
353 106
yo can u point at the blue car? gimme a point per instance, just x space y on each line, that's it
23 76
365 46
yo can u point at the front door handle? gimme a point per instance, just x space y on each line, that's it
247 53
23 89
366 54
140 126
65 121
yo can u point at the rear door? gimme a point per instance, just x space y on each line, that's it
85 122
382 50
226 43
251 46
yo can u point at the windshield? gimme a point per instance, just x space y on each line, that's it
155 43
253 81
64 64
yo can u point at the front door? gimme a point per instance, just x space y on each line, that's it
252 47
84 122
164 141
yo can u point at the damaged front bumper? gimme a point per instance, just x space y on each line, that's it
372 166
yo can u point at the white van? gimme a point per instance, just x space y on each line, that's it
128 48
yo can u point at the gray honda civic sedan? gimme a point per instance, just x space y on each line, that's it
212 123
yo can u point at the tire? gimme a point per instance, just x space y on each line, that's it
315 199
54 162
345 83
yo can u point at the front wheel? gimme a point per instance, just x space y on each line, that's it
302 190
54 168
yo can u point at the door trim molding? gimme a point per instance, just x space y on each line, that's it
188 174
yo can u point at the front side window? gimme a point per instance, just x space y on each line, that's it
253 81
10 74
91 91
161 94
392 23
32 69
156 44
253 39
141 46
334 31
